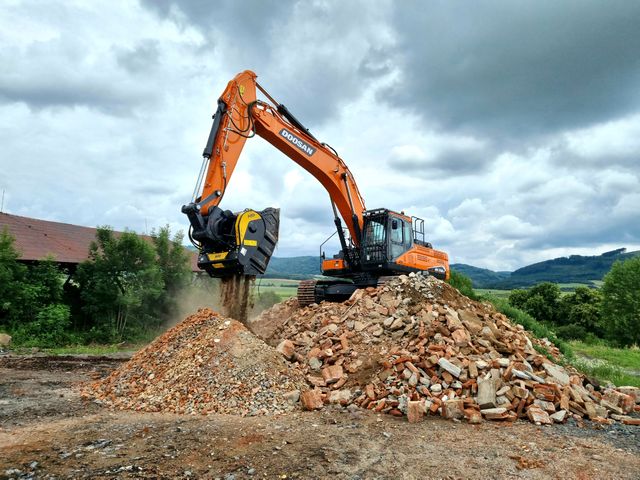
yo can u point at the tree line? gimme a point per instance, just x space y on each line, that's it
124 291
611 312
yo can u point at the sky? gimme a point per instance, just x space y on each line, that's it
511 127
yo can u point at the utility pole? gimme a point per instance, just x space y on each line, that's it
2 204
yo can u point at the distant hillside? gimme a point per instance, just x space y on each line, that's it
480 276
572 269
297 268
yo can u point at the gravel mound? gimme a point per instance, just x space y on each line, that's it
205 364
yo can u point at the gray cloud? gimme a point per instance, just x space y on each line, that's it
453 161
512 128
39 93
513 69
311 56
141 59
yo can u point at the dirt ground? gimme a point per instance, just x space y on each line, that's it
48 431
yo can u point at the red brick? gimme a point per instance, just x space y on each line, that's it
287 349
332 374
311 399
537 415
370 391
415 411
453 409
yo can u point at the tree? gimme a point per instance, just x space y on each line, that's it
119 285
621 302
174 262
11 275
518 298
582 308
541 301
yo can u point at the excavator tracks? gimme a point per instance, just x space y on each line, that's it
306 292
383 280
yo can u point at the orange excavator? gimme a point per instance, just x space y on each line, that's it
377 243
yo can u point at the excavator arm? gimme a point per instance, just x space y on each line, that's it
223 236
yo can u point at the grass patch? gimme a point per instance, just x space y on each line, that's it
91 349
282 287
605 372
628 358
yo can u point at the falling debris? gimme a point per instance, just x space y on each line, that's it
235 296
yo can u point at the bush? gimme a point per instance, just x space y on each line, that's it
571 332
621 302
463 284
49 329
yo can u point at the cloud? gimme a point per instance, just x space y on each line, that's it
512 70
141 59
456 160
302 51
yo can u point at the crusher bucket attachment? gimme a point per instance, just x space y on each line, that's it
234 243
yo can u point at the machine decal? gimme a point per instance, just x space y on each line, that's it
302 145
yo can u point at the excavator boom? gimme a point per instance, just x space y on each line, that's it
380 242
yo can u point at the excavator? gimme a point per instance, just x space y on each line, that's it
376 244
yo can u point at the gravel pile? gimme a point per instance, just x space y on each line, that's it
416 346
205 364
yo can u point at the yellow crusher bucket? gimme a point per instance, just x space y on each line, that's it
234 243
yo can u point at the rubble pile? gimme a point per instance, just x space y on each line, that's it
416 346
205 364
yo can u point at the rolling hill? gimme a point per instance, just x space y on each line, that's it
572 269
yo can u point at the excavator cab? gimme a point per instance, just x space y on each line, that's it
386 236
392 243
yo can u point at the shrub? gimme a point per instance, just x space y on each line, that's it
463 284
571 332
621 302
49 329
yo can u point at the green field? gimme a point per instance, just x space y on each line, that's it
495 293
627 358
620 366
282 287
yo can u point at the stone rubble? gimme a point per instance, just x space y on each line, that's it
417 347
412 347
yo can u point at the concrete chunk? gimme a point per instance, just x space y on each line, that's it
557 373
559 416
449 367
486 393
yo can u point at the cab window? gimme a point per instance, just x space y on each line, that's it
397 228
375 233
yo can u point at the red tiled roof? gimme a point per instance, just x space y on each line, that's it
36 239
